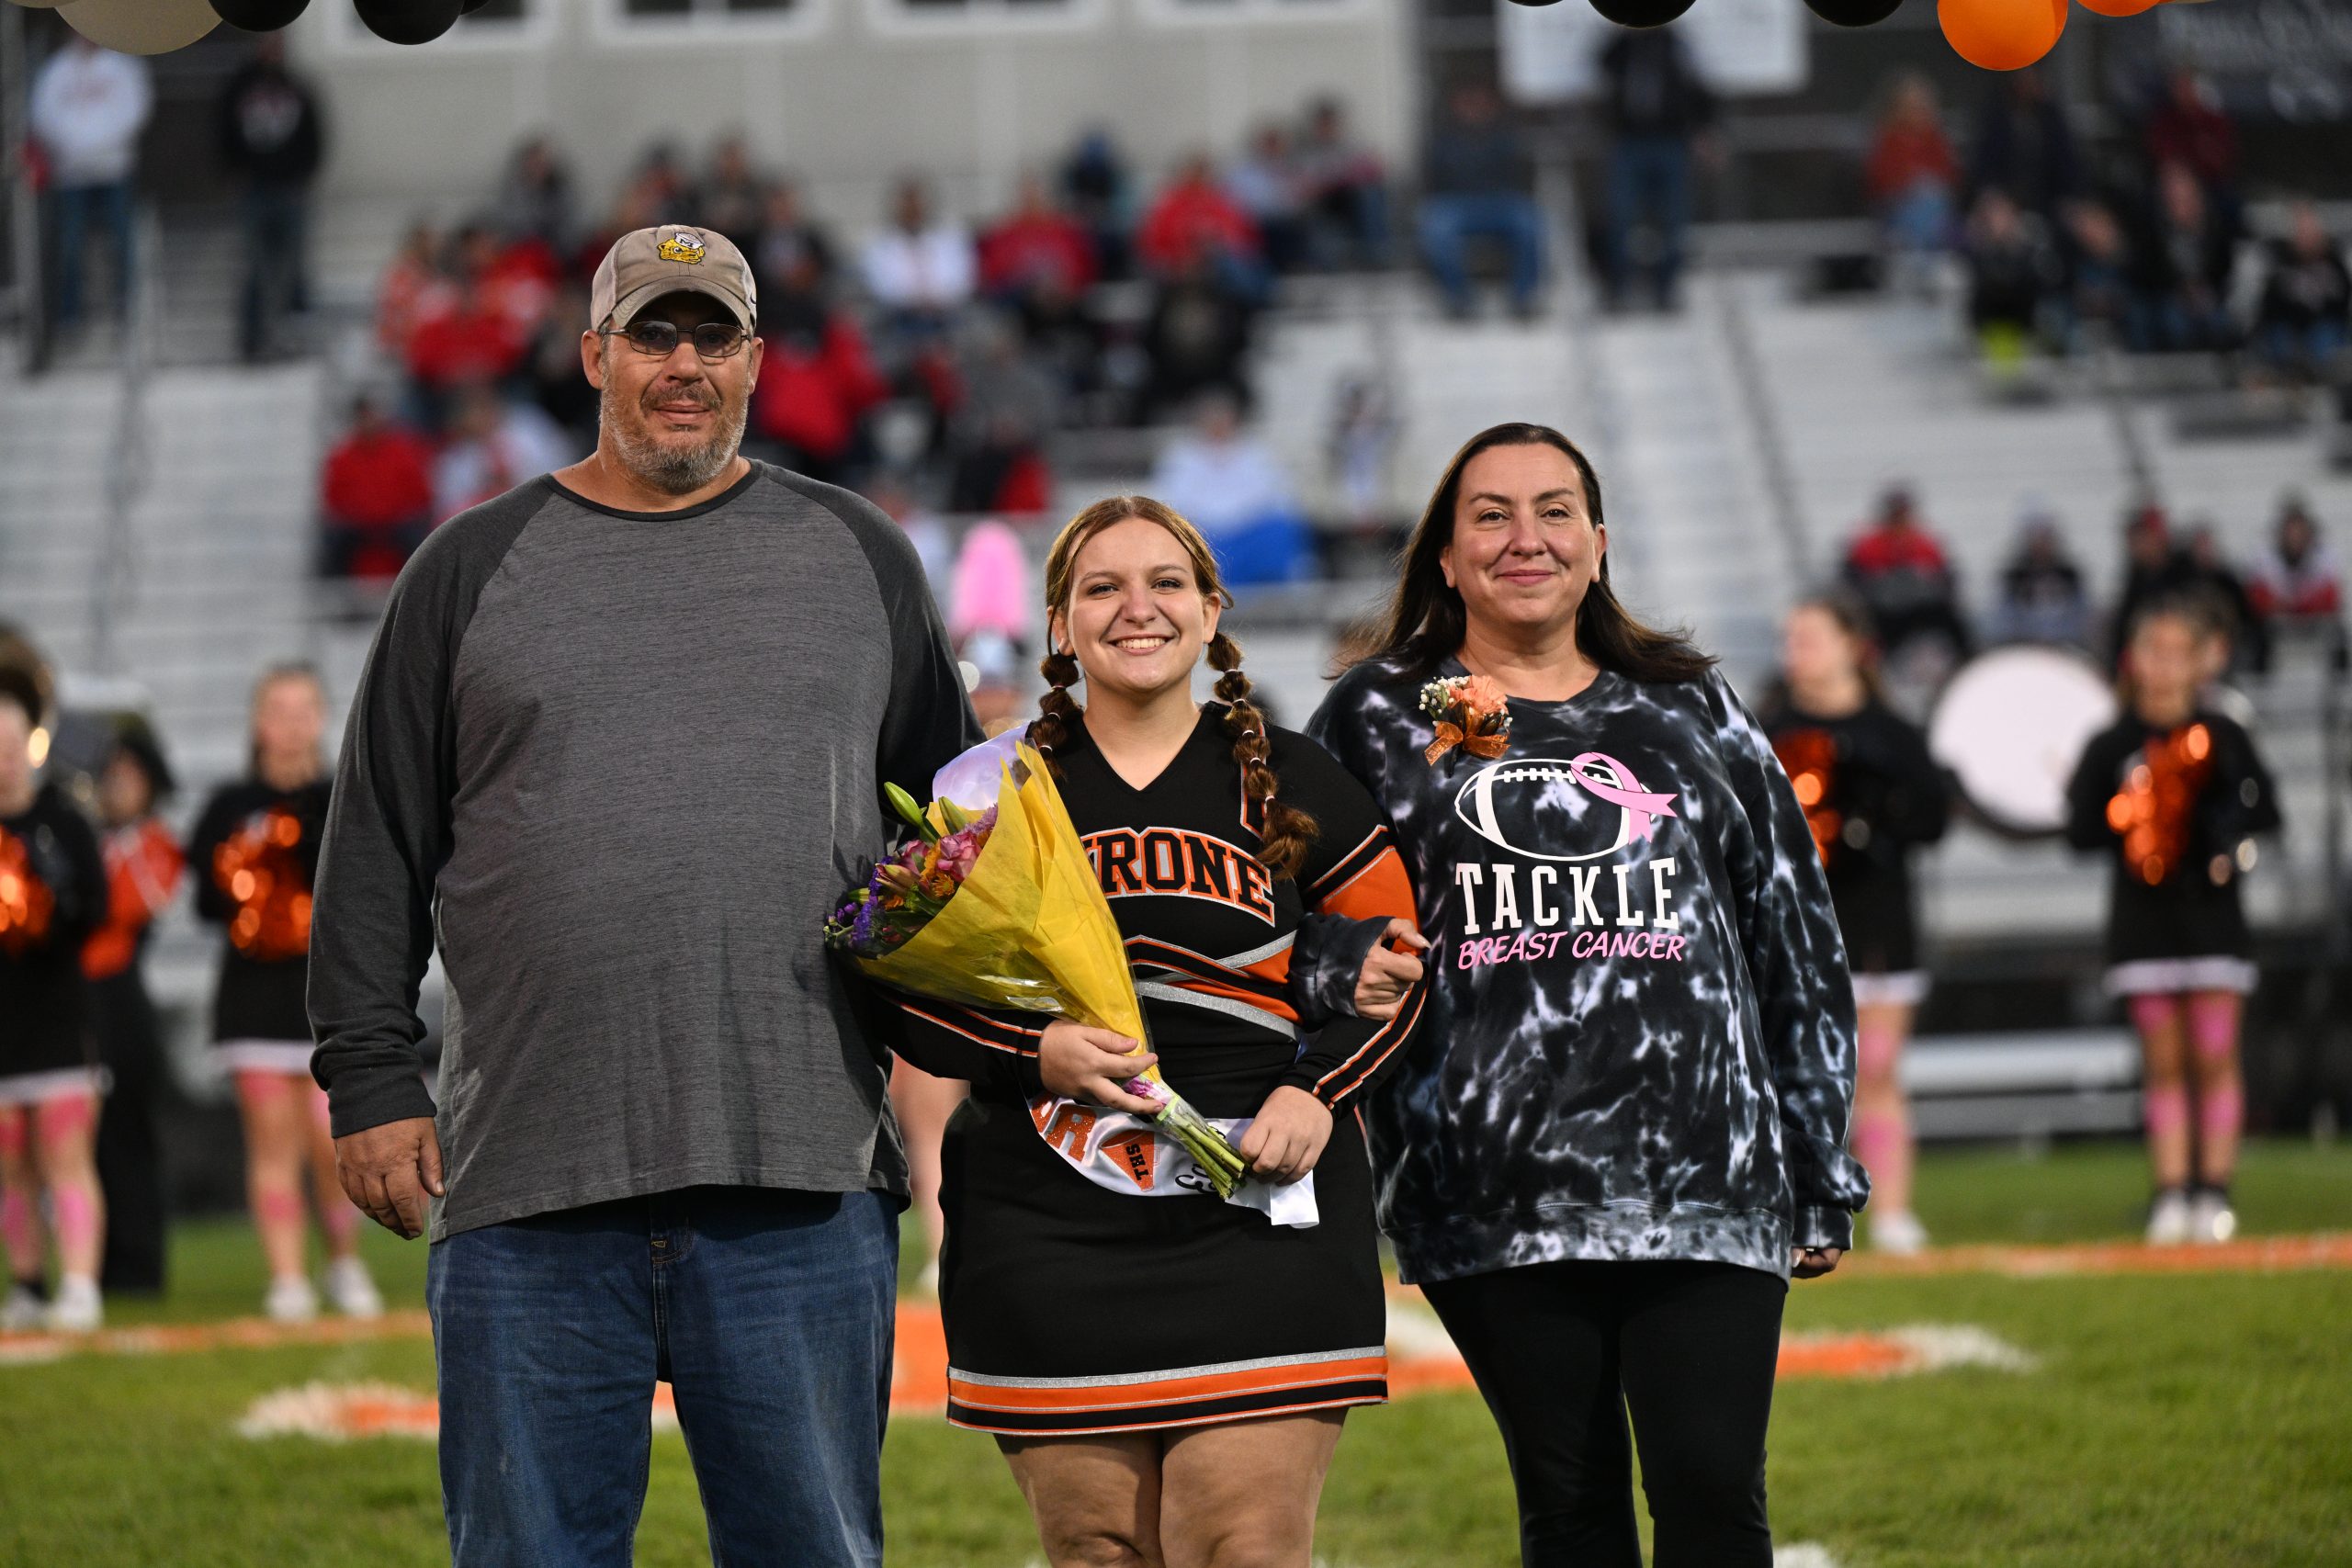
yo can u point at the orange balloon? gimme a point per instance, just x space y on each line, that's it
2001 35
2120 7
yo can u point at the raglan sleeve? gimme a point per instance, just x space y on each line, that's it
1796 963
387 835
1353 884
1328 950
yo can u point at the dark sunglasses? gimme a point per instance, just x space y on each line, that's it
712 339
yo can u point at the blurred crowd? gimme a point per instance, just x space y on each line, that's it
2153 250
2292 594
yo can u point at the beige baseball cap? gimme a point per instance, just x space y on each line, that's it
671 258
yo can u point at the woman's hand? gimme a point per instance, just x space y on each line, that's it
1090 1065
1388 974
1813 1262
1287 1136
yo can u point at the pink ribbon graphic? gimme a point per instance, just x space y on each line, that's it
1642 807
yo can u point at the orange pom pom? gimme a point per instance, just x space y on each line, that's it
2001 35
2120 7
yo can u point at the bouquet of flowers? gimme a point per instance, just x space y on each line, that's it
26 902
1471 712
1001 909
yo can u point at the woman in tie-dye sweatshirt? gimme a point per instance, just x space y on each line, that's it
1622 1127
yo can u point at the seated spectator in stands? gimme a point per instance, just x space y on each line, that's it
920 268
2298 587
2042 598
1360 446
787 237
1232 487
1659 112
643 202
1478 184
1194 222
1196 341
492 446
469 341
2185 263
734 195
2301 322
1264 184
2098 291
2025 146
517 277
1345 191
552 369
661 180
2189 127
412 288
999 431
1902 577
2013 274
376 496
2212 577
1094 184
534 200
1036 246
925 529
2153 567
817 382
1913 175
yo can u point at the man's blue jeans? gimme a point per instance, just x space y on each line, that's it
78 209
1448 223
771 1315
1649 181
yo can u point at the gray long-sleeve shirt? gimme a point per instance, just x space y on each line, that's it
619 766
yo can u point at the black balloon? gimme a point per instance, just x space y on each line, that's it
258 16
467 7
1641 13
407 21
1855 13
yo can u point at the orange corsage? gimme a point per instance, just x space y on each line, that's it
1471 712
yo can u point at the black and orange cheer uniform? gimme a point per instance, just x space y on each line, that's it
2176 811
52 892
253 858
1075 1309
1870 794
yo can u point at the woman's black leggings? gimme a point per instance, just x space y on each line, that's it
1564 1350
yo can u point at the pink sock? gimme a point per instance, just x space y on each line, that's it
2164 1107
74 1209
20 1228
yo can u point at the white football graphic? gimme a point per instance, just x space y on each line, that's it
1500 802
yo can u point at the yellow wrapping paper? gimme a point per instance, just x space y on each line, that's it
1029 928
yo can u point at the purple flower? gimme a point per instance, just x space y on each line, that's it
861 931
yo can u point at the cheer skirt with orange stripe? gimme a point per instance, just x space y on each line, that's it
1071 1309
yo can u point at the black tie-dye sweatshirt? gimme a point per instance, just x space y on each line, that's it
1639 1038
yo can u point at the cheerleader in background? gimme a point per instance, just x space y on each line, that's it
144 865
52 891
2174 790
1871 794
256 851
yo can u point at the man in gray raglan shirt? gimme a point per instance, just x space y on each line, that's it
617 748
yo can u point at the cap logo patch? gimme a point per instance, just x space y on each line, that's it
682 247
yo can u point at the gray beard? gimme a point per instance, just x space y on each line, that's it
662 466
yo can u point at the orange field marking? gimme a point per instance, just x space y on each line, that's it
2255 1255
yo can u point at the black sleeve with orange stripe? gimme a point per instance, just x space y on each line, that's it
995 1049
1353 884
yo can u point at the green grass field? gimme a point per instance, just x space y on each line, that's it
2176 1420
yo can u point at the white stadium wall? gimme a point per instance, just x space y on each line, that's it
845 93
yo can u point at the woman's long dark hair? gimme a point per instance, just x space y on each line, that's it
1425 621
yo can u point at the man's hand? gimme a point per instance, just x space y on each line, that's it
1388 974
388 1170
1089 1064
1287 1136
1813 1262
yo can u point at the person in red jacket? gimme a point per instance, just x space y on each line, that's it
473 338
818 381
374 497
1193 222
1038 245
1913 174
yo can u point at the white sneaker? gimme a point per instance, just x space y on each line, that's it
352 1291
23 1312
1897 1232
2212 1221
78 1308
2168 1218
290 1299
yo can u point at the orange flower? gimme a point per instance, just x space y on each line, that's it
1482 696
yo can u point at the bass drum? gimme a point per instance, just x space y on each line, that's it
2009 725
